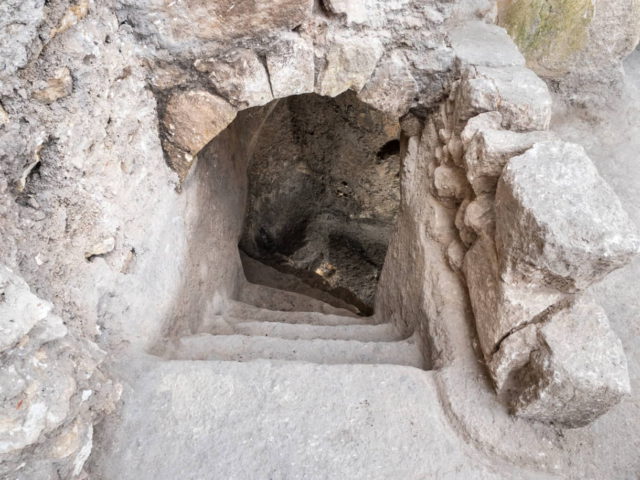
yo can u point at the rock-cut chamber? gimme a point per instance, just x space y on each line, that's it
323 193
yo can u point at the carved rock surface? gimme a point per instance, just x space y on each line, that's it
577 372
559 224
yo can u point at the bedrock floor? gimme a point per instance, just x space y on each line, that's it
310 392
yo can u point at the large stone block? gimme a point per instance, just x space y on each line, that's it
291 65
181 25
499 307
240 77
577 371
480 43
489 151
193 118
558 223
392 89
517 93
350 62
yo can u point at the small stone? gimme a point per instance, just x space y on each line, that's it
411 125
355 11
101 248
480 215
193 118
72 16
241 77
455 255
450 182
291 65
577 372
467 235
456 150
20 310
59 86
558 223
4 116
350 63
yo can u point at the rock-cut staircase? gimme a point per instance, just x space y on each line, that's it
310 391
320 333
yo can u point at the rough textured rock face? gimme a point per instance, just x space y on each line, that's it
324 193
133 135
52 388
580 43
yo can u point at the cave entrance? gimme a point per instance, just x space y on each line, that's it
324 193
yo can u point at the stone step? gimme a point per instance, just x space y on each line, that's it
294 421
259 273
248 312
283 300
243 348
220 325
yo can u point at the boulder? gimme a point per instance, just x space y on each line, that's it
558 224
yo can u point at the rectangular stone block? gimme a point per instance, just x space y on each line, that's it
517 93
558 223
577 371
499 308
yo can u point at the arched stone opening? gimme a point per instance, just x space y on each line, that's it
463 267
324 194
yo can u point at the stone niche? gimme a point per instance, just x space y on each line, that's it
324 193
